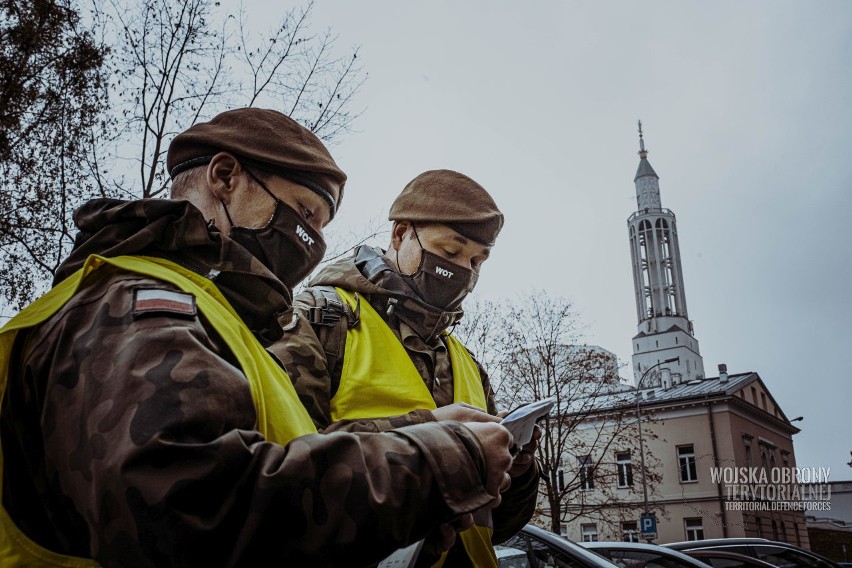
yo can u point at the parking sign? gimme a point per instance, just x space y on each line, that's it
648 525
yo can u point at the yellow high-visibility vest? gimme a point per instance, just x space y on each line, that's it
280 415
378 379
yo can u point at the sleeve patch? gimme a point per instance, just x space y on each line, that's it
159 301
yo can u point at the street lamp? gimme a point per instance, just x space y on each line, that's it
639 423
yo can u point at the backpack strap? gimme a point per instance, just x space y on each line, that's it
329 308
331 319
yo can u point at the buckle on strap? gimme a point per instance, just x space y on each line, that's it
327 315
332 310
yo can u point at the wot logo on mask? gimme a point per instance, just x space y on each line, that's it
443 272
303 234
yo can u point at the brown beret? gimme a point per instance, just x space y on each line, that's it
452 199
264 138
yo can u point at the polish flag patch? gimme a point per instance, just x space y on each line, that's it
159 301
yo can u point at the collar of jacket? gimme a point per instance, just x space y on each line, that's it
368 273
177 231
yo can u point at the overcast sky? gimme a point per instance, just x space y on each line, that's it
747 111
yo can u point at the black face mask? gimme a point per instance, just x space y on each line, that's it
286 245
439 282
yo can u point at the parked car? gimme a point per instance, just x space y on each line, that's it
640 555
777 553
727 559
537 548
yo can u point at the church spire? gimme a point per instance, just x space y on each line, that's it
664 329
646 179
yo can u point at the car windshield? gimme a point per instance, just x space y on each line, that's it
788 558
724 561
637 559
541 555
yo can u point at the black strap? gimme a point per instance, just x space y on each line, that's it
330 308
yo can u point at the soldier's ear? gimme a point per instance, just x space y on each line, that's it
224 176
400 228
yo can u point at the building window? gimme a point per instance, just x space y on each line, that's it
763 400
563 529
587 472
754 395
686 460
759 522
625 469
694 529
785 458
629 532
767 455
749 457
589 532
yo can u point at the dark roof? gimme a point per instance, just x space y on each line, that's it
645 169
625 395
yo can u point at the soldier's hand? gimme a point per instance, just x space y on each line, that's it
525 457
463 412
496 442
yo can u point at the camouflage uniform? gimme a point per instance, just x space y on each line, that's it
313 356
132 440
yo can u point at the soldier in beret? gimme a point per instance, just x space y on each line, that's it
143 422
369 348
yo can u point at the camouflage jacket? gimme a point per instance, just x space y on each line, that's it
313 355
131 440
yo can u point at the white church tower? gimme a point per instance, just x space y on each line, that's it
664 329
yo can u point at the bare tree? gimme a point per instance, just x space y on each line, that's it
171 64
186 60
604 467
534 349
480 331
51 97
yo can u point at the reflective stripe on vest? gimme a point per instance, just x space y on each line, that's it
280 415
379 380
